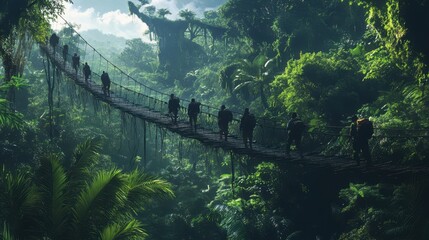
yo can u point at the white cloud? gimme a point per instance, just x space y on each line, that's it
120 23
113 22
170 5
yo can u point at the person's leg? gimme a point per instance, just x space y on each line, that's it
288 143
194 121
356 152
250 139
244 139
299 146
175 112
366 153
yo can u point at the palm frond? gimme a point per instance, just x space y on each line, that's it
6 234
9 117
143 188
243 85
97 203
52 184
129 230
86 154
260 60
19 201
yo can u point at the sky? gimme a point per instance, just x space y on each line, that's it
112 16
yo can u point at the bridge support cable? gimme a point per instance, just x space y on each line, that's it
270 136
144 144
51 75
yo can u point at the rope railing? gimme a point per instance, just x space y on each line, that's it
267 132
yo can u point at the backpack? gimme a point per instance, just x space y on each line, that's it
228 115
176 102
252 121
365 128
194 108
298 126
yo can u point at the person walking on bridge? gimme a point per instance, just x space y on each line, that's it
224 116
295 128
193 110
86 72
247 124
54 40
75 62
361 130
65 52
105 80
173 107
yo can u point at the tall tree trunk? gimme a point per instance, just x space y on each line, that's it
10 70
263 96
13 51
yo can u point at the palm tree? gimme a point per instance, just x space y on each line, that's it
78 202
187 14
249 77
162 12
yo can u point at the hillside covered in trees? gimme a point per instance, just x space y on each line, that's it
74 167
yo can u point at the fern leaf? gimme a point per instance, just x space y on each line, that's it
129 230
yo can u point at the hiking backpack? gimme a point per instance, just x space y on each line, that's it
298 126
365 128
252 121
176 102
228 115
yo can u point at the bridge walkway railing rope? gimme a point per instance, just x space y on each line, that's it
267 133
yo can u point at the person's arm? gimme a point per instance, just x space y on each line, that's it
289 125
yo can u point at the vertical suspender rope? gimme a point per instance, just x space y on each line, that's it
232 172
99 65
84 55
140 92
156 142
135 92
144 145
120 85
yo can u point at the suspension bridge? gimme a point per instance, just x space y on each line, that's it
141 101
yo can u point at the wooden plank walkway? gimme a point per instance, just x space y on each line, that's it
340 166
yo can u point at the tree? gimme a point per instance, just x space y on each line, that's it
150 10
248 78
20 19
162 12
187 14
323 86
78 202
138 54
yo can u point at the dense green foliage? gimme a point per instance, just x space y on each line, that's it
78 202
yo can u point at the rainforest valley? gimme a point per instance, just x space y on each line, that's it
73 166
